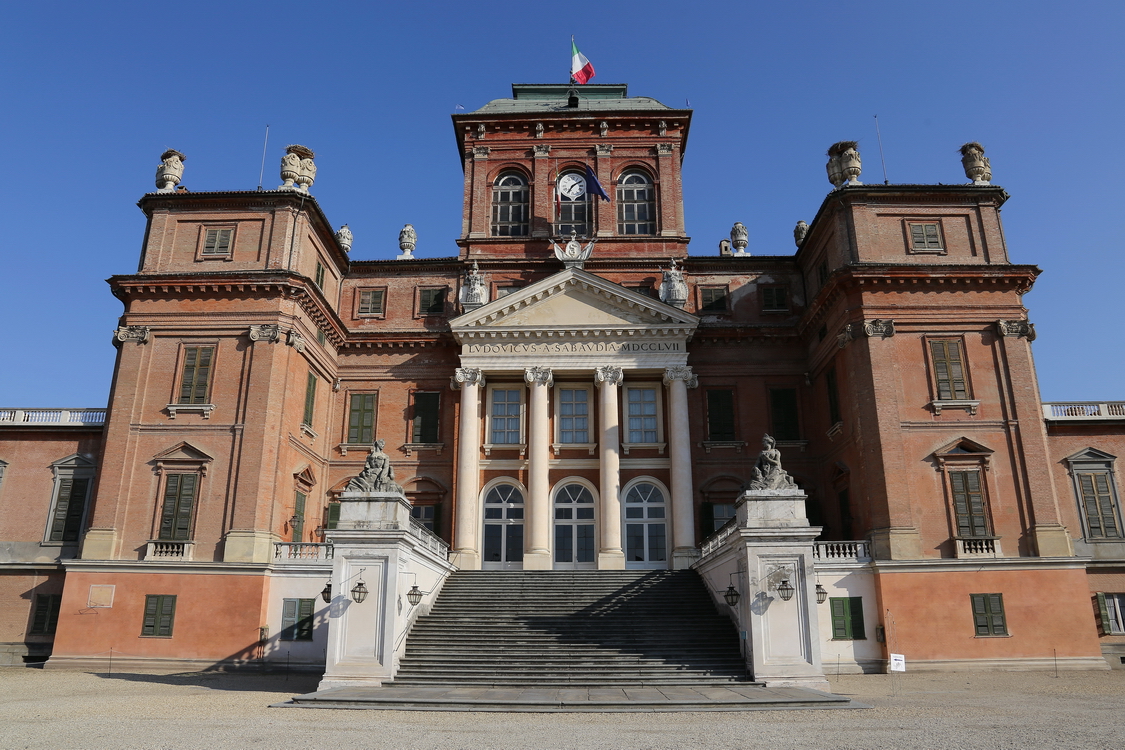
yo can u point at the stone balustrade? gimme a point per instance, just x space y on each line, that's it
857 551
301 552
164 550
62 417
1084 410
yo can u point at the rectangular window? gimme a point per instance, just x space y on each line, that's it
179 499
361 418
297 619
833 396
371 301
1111 613
332 515
783 414
641 403
217 241
297 522
924 236
721 513
431 301
988 614
45 619
425 515
196 375
720 415
321 338
310 400
160 613
1098 505
949 370
504 291
70 504
713 299
968 504
775 298
424 417
319 275
847 618
505 416
574 415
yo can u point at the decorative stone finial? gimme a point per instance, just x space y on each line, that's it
977 167
472 293
344 239
768 474
799 232
169 171
378 475
297 167
739 237
573 254
844 164
407 241
673 289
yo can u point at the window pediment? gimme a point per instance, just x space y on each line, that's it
182 457
963 451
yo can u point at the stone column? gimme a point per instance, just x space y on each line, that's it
610 554
537 546
678 379
466 549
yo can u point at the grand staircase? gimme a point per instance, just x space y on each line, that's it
580 629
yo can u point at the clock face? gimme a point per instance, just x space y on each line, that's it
572 186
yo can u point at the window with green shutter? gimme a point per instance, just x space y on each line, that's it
1099 505
371 301
297 522
424 416
924 236
783 414
70 505
179 500
196 374
833 396
310 400
1110 609
45 619
319 275
847 618
713 299
361 418
160 614
332 515
988 614
949 370
775 298
217 241
297 619
720 414
968 504
431 301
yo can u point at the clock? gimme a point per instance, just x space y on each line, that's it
572 186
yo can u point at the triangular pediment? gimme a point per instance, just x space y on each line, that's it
1091 454
963 447
182 452
574 301
73 461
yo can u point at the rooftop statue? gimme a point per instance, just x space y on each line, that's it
573 253
378 475
768 474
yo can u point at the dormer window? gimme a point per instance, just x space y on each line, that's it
510 199
636 204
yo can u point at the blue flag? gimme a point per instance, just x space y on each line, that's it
593 187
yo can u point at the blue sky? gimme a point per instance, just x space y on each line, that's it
93 93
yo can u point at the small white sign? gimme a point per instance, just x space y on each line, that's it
898 663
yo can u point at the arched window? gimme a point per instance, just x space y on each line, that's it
510 205
503 527
574 527
636 204
646 532
572 206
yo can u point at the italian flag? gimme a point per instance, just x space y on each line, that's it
581 70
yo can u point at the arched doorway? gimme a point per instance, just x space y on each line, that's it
646 526
503 528
575 548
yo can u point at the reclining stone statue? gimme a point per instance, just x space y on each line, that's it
378 475
768 474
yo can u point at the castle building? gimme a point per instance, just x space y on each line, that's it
573 390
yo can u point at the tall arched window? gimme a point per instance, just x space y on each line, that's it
574 527
510 199
636 204
573 206
503 528
646 535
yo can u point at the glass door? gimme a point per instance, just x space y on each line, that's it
503 528
575 548
646 536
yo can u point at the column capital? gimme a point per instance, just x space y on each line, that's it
540 375
470 375
680 372
608 375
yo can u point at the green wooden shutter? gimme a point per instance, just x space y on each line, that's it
949 370
45 620
783 410
968 504
980 613
160 613
298 527
152 605
988 614
1105 624
179 498
917 237
332 515
931 234
839 608
855 613
289 619
996 614
75 507
425 417
320 275
304 629
310 399
196 375
361 418
62 505
720 415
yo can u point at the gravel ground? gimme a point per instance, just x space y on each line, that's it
999 710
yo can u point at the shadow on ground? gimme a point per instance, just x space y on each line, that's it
263 683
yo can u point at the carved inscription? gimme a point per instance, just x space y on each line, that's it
574 347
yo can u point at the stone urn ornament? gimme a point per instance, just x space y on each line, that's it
799 232
407 241
844 165
739 237
297 169
170 170
344 239
977 167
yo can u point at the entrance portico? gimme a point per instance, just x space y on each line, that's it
536 358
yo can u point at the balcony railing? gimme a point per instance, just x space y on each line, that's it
841 551
985 547
162 550
433 542
301 552
67 417
1084 410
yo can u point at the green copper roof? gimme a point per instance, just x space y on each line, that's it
552 97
